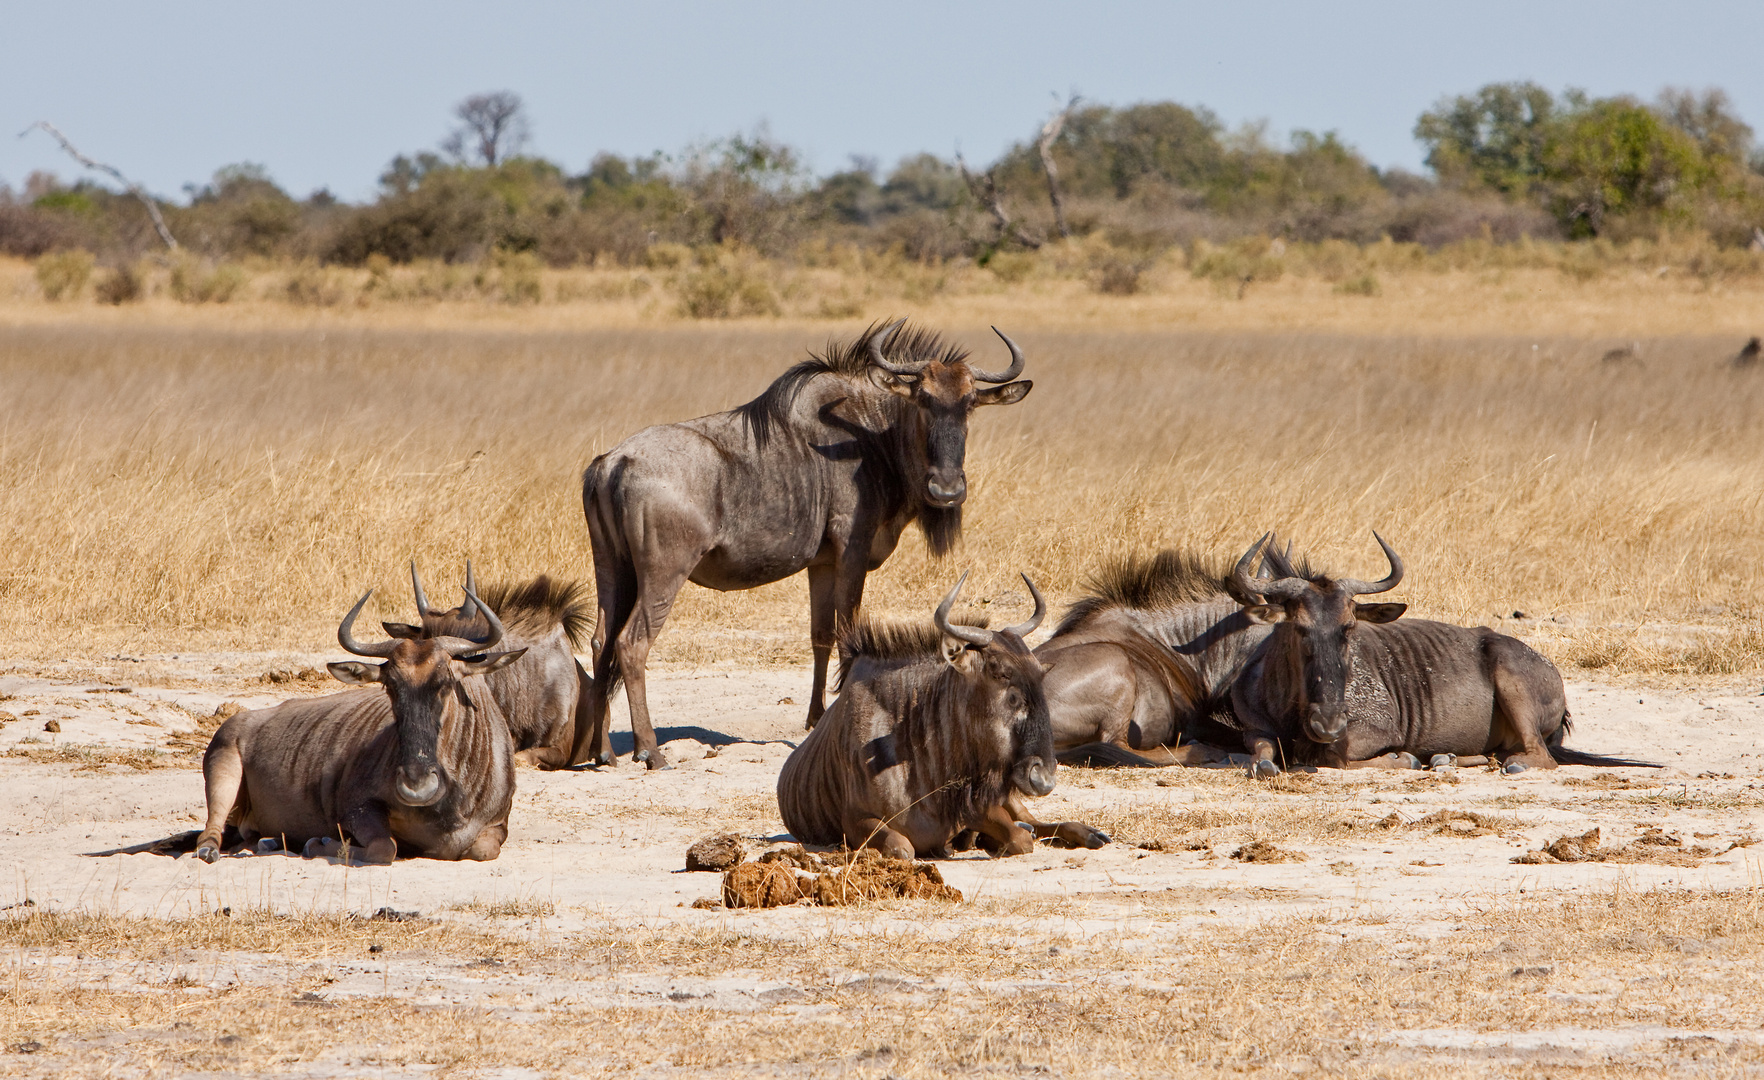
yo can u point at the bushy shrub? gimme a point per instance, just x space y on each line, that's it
1360 285
724 287
63 274
1235 266
314 286
194 281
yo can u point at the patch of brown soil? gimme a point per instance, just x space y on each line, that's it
792 875
1260 851
1653 846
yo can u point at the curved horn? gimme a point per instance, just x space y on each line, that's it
346 636
973 635
468 609
1023 630
416 586
883 337
1284 588
1007 374
458 646
1356 587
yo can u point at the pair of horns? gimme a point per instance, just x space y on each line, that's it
454 646
882 338
466 610
1287 586
974 635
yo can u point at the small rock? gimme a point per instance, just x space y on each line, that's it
705 903
53 726
387 914
786 701
722 852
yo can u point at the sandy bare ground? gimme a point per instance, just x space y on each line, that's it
598 853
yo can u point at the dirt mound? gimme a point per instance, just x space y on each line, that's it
792 875
721 852
1451 823
1261 851
1652 846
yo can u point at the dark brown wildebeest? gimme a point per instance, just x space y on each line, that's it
1137 670
1345 684
540 694
423 762
821 472
923 747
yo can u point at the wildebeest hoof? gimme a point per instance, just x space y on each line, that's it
1443 761
1096 838
1514 768
606 760
1261 770
655 759
321 847
1405 760
208 853
268 845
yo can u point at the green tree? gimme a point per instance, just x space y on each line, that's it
1496 137
1615 157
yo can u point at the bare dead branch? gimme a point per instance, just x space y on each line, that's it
133 188
1049 132
985 192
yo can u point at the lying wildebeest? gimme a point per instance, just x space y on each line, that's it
821 472
1137 670
423 762
541 694
1345 684
923 749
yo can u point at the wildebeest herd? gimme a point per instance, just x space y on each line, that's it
940 730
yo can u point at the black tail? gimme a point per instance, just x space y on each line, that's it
1106 755
1565 756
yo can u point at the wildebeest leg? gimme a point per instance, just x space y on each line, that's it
1530 698
543 757
1262 751
372 833
1070 833
870 831
655 599
999 825
488 844
223 772
1399 759
820 581
616 591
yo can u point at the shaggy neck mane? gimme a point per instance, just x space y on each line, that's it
926 694
894 427
528 609
1149 583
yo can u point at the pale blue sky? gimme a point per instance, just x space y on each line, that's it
324 93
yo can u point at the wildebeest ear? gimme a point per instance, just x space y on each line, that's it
1008 394
966 660
1379 612
354 672
403 630
1265 613
492 662
895 385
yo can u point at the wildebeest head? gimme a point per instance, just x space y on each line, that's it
424 677
1005 702
1315 620
946 391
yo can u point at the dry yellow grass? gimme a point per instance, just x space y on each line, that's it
1669 977
168 487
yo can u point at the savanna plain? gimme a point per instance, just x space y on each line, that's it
194 494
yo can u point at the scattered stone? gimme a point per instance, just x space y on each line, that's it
53 726
1260 851
722 852
387 914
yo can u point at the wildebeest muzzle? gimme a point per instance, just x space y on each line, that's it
1325 725
1033 776
418 786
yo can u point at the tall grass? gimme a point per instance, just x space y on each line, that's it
169 488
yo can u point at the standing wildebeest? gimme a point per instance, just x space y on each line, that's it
1345 684
540 694
922 747
1137 670
823 471
423 762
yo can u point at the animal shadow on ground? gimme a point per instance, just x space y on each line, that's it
624 742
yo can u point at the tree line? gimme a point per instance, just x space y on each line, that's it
1509 160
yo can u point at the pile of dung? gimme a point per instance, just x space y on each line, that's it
1263 852
792 875
1652 846
721 852
1451 823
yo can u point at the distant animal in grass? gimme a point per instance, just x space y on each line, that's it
1624 355
1748 354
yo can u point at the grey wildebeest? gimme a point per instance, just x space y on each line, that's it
1138 669
821 472
540 694
1351 685
421 762
925 748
